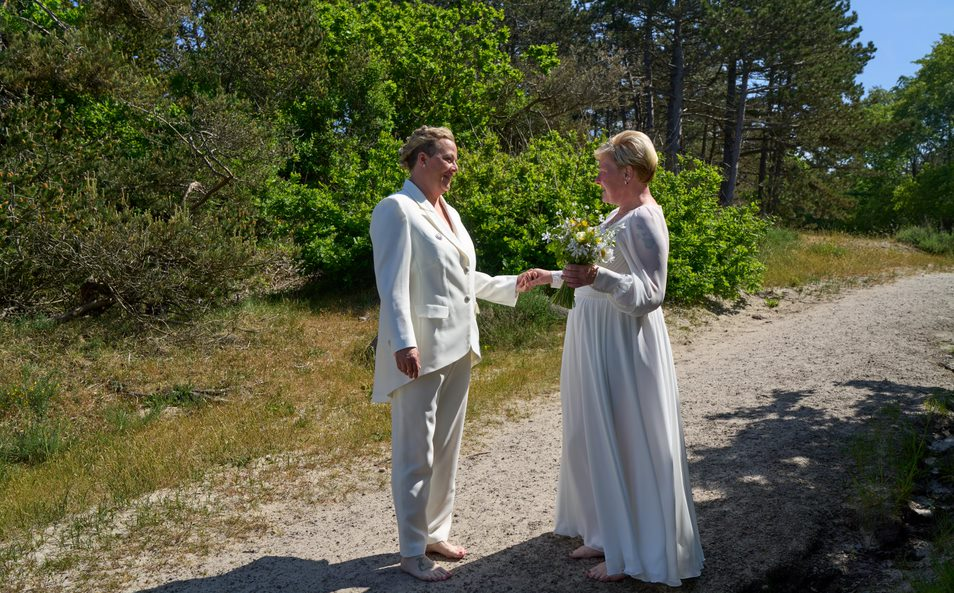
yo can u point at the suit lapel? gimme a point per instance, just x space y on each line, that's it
431 215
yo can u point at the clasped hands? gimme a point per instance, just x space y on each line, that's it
408 360
574 276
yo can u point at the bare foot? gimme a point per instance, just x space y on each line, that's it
422 567
447 550
598 573
586 552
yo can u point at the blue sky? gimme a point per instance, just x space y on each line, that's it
903 31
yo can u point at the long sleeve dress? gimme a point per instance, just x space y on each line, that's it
624 485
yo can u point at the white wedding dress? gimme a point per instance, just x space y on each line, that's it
623 482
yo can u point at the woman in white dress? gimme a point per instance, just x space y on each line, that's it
624 486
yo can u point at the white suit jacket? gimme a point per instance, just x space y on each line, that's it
428 287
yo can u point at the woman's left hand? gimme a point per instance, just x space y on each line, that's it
577 275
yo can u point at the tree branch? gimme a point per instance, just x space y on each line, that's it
52 15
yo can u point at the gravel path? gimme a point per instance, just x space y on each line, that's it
770 398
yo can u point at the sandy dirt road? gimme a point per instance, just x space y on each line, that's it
770 399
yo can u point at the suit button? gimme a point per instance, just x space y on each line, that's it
466 299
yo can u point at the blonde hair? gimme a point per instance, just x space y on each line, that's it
424 139
633 149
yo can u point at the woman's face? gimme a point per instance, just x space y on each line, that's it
441 168
611 178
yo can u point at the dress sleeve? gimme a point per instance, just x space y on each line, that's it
643 242
391 245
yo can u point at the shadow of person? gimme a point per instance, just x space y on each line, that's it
539 564
293 575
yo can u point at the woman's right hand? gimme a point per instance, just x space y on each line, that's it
408 361
532 278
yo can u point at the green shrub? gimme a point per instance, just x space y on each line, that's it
35 443
329 223
713 250
30 395
508 202
927 239
77 248
929 197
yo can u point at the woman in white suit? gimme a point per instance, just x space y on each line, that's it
424 265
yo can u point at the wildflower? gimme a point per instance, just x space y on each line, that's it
576 241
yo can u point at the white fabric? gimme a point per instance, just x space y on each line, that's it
428 287
624 485
427 421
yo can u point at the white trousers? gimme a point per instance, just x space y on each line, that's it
427 422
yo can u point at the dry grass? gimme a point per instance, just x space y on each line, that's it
286 381
797 259
287 378
284 376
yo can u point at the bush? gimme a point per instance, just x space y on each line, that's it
713 250
74 250
329 222
509 202
929 197
119 183
927 239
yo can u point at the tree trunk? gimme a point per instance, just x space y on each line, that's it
735 117
650 123
761 196
765 205
677 76
705 138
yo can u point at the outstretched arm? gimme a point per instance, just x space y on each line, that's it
538 277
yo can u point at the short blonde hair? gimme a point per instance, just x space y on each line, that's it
424 139
633 149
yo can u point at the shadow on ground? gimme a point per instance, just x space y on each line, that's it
529 566
775 494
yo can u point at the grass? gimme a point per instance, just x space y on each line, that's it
887 459
156 411
890 461
942 578
97 416
927 239
794 259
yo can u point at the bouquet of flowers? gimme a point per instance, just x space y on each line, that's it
578 241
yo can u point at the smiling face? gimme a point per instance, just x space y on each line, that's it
612 179
433 174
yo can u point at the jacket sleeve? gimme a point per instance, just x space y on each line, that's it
644 243
391 243
496 289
